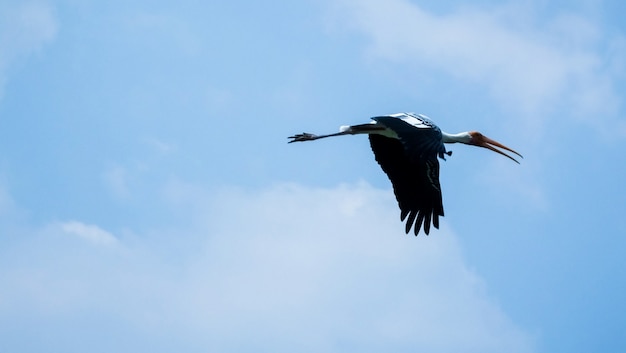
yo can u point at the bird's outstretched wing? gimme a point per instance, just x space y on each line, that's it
420 137
411 164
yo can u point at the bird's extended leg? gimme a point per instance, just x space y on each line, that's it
305 136
345 130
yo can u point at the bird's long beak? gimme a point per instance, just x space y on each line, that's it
481 140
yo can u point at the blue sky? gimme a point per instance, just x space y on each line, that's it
149 200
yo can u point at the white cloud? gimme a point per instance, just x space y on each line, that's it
88 232
10 214
168 29
289 268
159 145
533 66
6 202
24 28
116 179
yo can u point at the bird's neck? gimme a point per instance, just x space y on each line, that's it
462 137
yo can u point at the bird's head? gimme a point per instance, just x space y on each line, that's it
478 139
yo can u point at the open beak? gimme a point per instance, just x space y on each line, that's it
479 139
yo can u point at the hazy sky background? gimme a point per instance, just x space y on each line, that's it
149 200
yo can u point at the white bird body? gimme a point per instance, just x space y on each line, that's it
407 147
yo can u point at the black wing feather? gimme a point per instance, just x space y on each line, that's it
414 176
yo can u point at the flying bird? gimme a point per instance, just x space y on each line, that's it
406 146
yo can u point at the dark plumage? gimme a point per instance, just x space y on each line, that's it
410 162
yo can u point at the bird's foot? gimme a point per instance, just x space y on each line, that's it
302 137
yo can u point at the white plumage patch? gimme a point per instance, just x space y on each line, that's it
416 121
344 128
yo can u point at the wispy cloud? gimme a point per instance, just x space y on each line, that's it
165 27
159 145
566 63
285 268
10 214
91 233
6 202
116 179
24 28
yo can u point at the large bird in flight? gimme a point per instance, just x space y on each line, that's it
406 145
